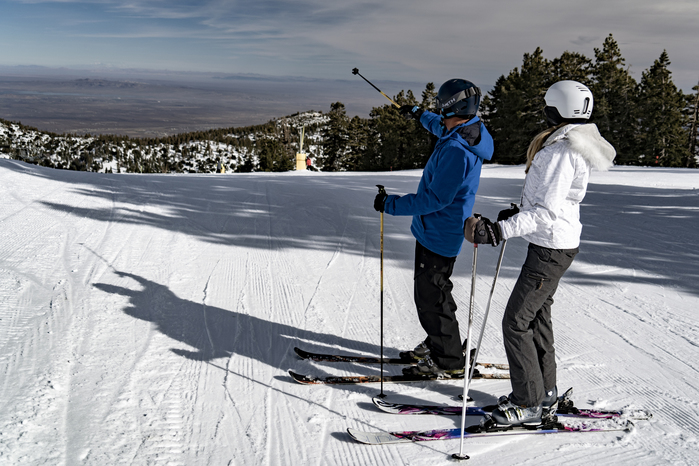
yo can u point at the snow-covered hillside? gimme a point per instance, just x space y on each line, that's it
150 319
201 152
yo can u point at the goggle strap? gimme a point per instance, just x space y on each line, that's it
470 92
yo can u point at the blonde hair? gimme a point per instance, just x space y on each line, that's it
538 142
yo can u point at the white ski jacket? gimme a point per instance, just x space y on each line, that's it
556 184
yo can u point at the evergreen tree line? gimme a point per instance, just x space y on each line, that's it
649 122
384 141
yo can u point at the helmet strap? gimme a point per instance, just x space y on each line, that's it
553 118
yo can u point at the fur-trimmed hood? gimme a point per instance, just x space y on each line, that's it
555 186
588 142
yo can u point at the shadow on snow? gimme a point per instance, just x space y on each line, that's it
633 228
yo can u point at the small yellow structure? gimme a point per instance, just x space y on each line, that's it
301 155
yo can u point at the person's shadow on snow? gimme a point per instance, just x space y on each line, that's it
219 333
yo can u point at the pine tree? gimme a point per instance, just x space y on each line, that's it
694 122
396 143
247 165
357 143
335 138
273 157
614 92
572 66
662 137
428 97
512 110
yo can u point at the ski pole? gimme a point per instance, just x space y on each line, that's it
487 308
356 71
381 395
467 380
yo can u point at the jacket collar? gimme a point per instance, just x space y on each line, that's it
456 128
587 141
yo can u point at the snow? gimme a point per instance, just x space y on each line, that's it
150 319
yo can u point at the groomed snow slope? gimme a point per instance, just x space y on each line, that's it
150 319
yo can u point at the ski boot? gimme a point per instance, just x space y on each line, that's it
510 414
420 351
427 367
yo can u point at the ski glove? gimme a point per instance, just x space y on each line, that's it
411 112
480 230
507 213
380 201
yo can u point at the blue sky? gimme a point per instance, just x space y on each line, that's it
402 40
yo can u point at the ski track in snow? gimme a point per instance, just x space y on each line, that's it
150 319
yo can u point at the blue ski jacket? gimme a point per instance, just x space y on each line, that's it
447 189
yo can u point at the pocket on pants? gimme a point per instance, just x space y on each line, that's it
544 254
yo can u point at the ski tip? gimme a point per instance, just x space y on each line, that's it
384 406
357 435
374 438
301 353
380 402
304 379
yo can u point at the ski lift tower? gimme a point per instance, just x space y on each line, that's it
301 155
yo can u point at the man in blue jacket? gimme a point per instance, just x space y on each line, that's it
443 201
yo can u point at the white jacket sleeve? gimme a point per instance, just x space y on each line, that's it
544 197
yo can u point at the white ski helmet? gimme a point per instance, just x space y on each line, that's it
568 101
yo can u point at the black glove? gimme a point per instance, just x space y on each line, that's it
380 199
507 213
411 112
480 230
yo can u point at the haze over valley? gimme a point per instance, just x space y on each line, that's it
154 104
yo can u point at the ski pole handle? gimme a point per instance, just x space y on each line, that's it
356 72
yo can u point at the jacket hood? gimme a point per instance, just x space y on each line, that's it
586 140
473 136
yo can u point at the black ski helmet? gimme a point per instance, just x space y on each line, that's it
458 97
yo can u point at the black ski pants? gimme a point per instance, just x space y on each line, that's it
436 308
527 328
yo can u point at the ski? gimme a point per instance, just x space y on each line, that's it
319 357
360 379
566 411
382 438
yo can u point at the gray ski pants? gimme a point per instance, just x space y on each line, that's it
527 328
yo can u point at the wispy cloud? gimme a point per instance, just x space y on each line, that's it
585 40
479 39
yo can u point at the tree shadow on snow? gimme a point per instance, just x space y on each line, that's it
631 234
626 228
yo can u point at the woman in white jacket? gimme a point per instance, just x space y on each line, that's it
559 161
